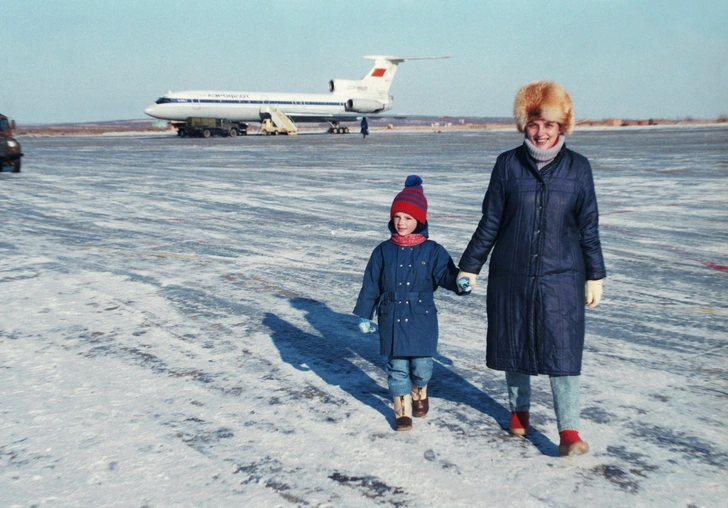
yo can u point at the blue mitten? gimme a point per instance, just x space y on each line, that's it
464 285
367 326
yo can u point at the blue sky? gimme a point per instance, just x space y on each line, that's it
90 60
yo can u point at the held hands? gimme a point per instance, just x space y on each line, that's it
593 293
367 326
466 287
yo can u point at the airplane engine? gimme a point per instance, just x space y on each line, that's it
364 106
347 86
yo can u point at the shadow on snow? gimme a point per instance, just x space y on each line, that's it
332 356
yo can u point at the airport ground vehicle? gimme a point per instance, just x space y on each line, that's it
275 122
195 126
10 153
268 127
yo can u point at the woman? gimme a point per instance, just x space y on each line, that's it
540 218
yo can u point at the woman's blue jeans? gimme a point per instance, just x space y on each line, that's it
565 390
405 371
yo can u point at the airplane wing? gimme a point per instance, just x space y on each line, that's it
316 117
353 117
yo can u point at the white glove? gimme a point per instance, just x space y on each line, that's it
367 326
466 275
593 292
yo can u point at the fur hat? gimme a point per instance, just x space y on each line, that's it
547 100
411 200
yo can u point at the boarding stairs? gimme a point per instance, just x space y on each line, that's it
283 123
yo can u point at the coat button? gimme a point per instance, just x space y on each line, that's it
408 283
405 320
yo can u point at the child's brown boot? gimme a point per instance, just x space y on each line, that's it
571 443
403 412
420 403
520 423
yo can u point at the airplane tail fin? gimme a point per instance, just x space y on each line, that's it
375 85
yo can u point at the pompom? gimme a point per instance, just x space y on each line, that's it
413 181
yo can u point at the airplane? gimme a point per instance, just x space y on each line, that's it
348 100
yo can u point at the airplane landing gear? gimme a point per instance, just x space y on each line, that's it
337 129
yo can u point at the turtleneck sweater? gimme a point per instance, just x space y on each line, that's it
543 157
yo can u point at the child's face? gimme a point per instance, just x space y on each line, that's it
403 223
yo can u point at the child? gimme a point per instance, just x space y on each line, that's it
399 282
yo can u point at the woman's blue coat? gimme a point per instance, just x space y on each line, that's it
399 285
543 227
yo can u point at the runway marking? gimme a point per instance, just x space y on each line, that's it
668 248
715 266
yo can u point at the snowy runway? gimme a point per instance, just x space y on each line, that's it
176 327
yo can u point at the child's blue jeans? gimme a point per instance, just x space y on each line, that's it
565 390
405 371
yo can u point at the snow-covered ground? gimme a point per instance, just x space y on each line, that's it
176 328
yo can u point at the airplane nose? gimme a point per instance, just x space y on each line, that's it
149 110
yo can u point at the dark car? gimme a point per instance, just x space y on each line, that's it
10 153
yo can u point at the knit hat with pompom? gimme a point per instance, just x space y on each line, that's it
411 200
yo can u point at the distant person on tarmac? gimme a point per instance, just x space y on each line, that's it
541 221
399 284
364 127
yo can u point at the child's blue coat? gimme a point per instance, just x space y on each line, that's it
399 285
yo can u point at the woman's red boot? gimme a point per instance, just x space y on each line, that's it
520 423
571 443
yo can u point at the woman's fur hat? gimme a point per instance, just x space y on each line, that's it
547 100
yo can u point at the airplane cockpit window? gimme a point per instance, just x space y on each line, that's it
163 100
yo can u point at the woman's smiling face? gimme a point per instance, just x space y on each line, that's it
543 134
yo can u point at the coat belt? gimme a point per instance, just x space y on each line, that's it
391 296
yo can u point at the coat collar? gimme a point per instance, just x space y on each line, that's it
526 161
